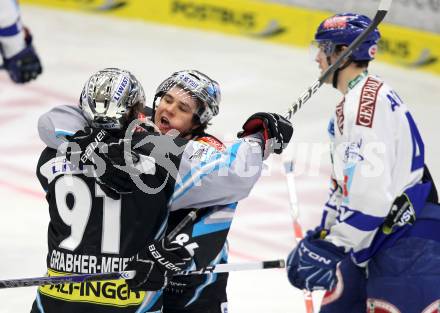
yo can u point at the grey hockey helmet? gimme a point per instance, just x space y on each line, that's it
205 89
107 97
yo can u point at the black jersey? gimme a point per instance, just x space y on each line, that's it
191 293
206 237
92 233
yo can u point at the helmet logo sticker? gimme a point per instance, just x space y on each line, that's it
372 51
189 81
336 22
121 88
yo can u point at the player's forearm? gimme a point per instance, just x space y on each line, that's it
11 30
218 179
58 122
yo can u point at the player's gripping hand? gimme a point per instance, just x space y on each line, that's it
116 179
108 161
156 264
84 143
276 130
312 264
25 65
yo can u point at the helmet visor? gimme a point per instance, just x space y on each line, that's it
325 46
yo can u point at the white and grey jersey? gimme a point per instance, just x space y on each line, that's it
205 176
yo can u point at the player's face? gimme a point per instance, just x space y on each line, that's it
322 60
175 111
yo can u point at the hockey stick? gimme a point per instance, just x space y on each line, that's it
382 11
297 229
190 217
56 280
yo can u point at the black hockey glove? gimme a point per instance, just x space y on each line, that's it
82 150
25 65
156 264
116 179
83 144
277 131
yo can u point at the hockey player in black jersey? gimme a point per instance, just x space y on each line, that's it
182 98
90 232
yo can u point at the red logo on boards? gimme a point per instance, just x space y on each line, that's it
367 103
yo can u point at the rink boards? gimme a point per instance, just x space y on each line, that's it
272 22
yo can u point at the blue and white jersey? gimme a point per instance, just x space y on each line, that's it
377 154
11 30
206 176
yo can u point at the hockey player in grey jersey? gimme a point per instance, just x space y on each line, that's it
16 49
177 111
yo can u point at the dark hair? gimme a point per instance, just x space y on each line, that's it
134 111
200 130
359 64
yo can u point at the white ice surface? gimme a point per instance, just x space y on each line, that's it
254 77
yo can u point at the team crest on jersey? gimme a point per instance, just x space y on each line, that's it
352 153
380 306
340 116
367 102
213 142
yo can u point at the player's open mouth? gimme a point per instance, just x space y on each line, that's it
164 121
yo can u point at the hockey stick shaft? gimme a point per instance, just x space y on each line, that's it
382 11
66 279
55 280
294 213
189 218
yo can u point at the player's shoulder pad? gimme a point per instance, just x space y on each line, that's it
211 141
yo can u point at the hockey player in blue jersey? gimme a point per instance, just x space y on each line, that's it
186 102
19 57
380 223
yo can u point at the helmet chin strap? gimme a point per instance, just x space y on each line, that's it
153 113
338 70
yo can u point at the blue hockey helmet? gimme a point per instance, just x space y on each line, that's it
342 29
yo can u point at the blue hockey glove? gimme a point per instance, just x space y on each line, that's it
156 264
312 264
25 65
317 233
